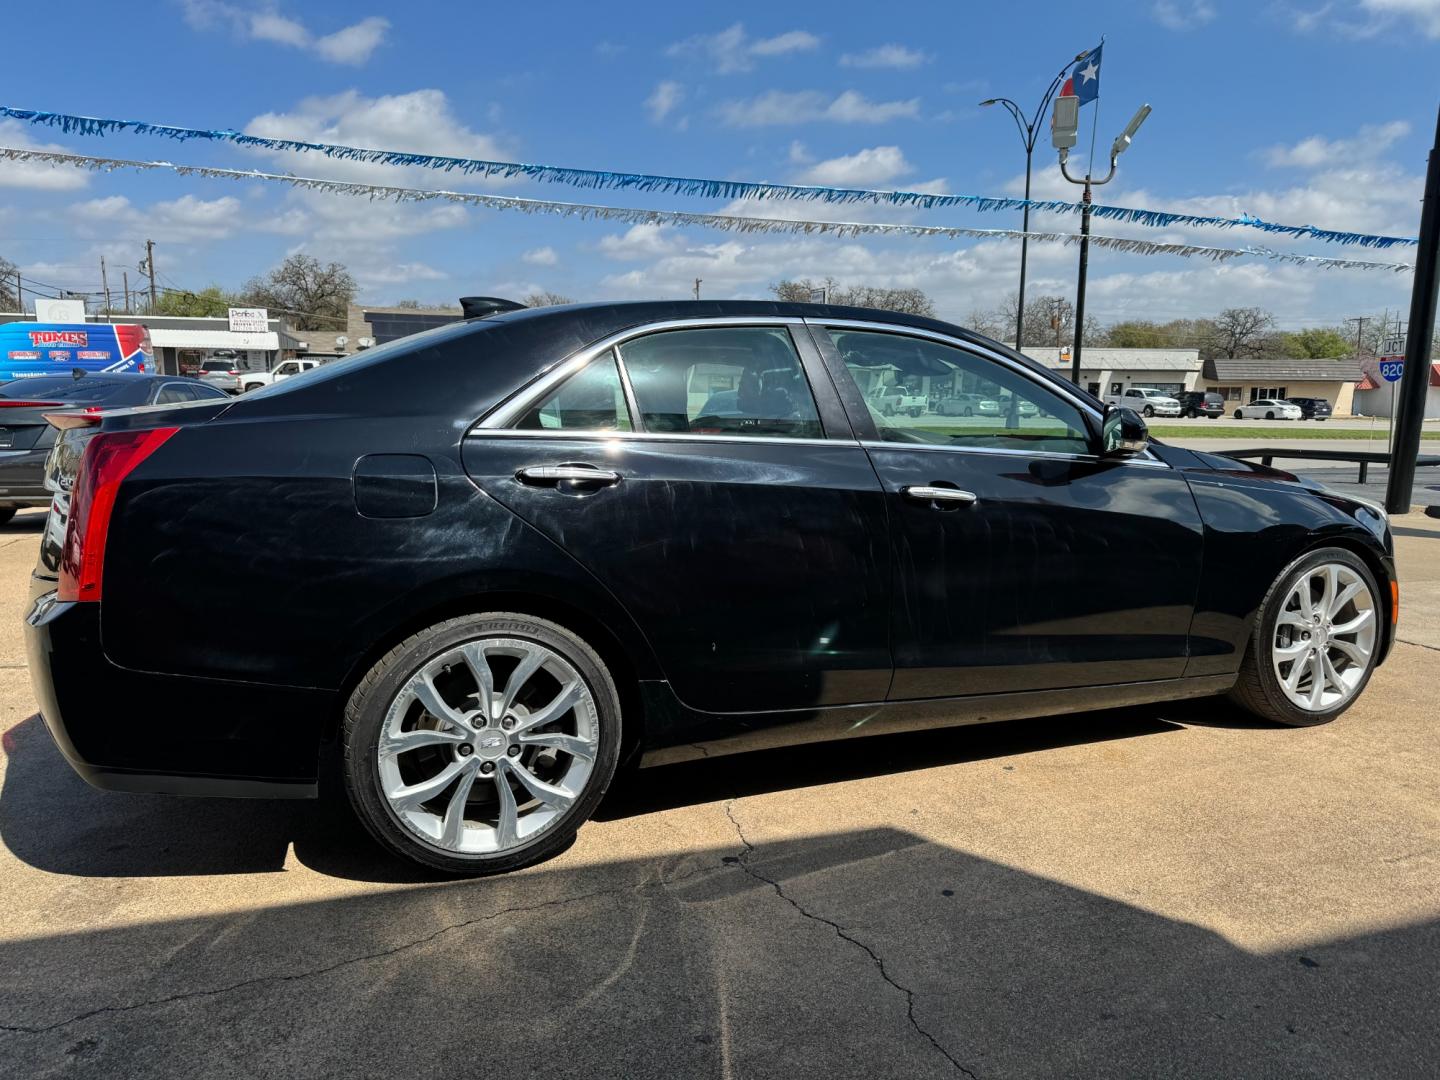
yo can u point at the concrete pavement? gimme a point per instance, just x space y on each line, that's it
1160 891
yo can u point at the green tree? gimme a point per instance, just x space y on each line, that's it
211 302
310 295
1317 343
1142 334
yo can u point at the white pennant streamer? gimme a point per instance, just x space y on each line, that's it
724 222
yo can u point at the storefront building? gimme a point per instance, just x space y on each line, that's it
1243 379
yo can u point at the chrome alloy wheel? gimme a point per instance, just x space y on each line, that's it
487 745
1325 637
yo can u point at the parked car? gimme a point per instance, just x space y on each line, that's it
26 437
1197 403
1145 401
221 374
968 405
1311 408
253 380
1022 407
898 400
487 585
1268 409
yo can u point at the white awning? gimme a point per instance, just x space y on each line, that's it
213 339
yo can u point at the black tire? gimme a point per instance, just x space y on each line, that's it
1257 690
7 513
365 713
1269 416
969 411
1149 411
1239 415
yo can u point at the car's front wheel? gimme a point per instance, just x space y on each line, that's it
1315 641
1149 410
482 743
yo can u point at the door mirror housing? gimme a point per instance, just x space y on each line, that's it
1123 433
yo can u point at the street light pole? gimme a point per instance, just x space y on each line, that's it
1029 129
1120 145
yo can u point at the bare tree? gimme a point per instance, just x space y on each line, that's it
546 299
1238 332
314 296
9 301
907 301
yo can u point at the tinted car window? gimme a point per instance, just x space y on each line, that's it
910 386
173 394
722 381
83 389
591 400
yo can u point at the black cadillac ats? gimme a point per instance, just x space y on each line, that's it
493 561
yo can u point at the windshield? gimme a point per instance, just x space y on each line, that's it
334 368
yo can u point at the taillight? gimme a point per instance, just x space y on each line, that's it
6 403
109 457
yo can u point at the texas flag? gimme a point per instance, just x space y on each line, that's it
1084 80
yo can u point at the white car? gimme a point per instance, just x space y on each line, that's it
253 380
1269 409
1146 402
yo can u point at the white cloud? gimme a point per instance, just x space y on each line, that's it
541 256
1317 151
398 274
181 221
352 44
664 99
1363 19
641 242
1423 13
1182 14
733 50
421 121
885 56
803 106
864 168
34 174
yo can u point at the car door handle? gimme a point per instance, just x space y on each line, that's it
921 493
554 474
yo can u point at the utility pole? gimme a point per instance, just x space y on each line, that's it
105 284
697 288
1359 322
1415 381
19 293
125 274
150 269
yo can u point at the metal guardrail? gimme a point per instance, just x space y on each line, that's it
1364 458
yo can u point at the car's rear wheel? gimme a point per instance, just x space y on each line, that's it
481 744
1315 641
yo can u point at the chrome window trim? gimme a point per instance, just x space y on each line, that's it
1049 455
515 406
653 436
1060 388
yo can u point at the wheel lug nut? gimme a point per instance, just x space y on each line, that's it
508 723
487 767
465 749
514 751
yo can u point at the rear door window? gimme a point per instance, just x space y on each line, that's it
593 399
745 381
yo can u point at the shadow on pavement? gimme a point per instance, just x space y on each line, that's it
868 953
54 821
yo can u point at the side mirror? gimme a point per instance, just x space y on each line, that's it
1123 433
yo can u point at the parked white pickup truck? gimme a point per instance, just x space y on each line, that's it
1145 401
253 380
893 400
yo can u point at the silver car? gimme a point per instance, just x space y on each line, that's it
968 405
221 374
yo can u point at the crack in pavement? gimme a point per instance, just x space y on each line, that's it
1418 644
188 995
844 935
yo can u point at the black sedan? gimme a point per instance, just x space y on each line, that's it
493 561
26 437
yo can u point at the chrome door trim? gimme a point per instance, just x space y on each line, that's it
513 407
923 493
656 436
1049 455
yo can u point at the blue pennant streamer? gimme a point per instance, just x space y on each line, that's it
696 186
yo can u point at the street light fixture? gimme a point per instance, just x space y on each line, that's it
1029 129
1067 110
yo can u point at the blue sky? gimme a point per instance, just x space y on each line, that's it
1315 112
